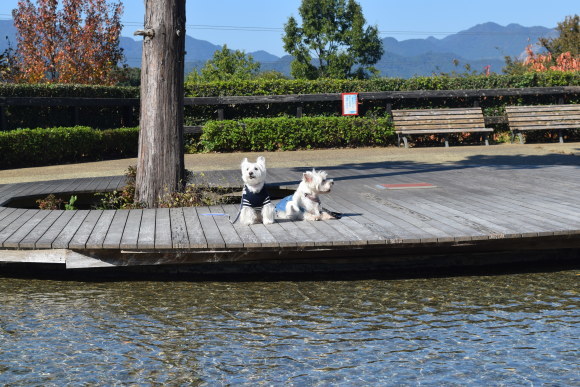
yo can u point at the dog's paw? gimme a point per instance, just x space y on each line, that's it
268 221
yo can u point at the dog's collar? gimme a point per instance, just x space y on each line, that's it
312 197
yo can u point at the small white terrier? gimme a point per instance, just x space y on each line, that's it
305 202
256 206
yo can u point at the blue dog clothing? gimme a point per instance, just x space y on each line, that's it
255 200
281 206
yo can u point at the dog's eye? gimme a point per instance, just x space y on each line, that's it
255 168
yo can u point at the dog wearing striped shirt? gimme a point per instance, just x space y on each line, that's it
256 205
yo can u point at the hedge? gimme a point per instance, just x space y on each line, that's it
285 133
34 147
284 86
107 117
198 115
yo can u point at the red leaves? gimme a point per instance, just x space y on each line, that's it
78 43
540 63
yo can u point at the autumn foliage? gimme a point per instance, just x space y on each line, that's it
539 62
74 42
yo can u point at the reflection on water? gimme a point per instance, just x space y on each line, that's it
510 329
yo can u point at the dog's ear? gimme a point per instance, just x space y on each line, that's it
261 161
244 161
307 177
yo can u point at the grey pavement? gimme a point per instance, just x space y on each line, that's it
545 153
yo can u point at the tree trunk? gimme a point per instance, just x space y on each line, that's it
160 167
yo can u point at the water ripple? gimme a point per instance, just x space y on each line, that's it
500 330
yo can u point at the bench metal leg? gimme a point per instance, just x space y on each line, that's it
405 141
560 135
521 136
446 137
486 139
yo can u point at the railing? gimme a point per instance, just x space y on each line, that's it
560 95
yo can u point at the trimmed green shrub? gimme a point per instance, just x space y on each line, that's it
198 115
285 86
33 147
54 116
284 133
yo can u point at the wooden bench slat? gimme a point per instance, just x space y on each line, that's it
440 126
434 112
543 117
445 131
442 116
546 108
463 120
439 121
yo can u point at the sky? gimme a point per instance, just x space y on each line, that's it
252 25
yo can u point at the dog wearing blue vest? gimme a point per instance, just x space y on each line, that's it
256 205
305 202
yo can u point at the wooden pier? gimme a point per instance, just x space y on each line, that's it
394 215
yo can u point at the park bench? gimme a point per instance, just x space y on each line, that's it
439 121
545 117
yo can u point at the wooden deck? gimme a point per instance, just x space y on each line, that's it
464 214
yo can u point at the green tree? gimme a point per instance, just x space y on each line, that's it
568 39
226 65
332 41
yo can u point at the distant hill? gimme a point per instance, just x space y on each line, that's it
479 46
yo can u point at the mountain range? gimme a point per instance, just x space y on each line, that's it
479 46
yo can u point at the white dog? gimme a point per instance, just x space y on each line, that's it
256 206
305 202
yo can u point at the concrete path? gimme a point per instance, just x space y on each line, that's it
558 154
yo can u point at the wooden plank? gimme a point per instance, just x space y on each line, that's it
294 230
4 212
64 237
226 229
378 210
195 232
99 232
324 234
33 256
147 230
14 239
543 108
264 235
45 241
79 240
130 237
29 241
373 219
15 223
552 116
536 210
86 185
435 112
474 118
179 238
103 183
163 229
466 197
436 131
551 127
115 232
246 234
283 238
210 229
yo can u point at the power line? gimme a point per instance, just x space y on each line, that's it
278 29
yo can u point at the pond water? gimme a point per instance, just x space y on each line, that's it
516 329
